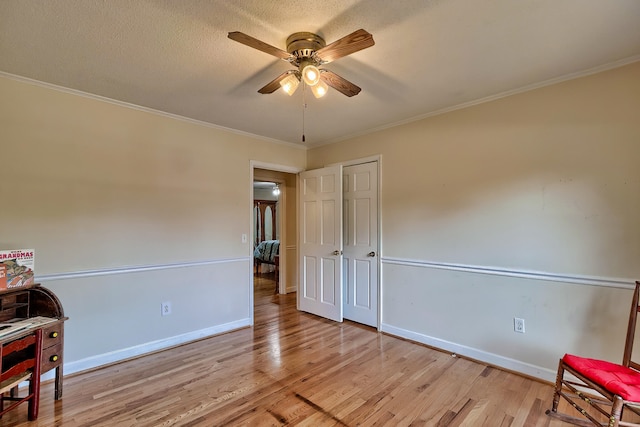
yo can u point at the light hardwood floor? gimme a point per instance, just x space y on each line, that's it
293 368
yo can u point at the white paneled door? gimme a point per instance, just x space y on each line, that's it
360 243
320 290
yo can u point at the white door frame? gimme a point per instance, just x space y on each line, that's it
255 164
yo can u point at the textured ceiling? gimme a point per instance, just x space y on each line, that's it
430 55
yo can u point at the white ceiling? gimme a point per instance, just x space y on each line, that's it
430 55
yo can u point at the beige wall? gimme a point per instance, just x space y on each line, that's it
127 209
485 210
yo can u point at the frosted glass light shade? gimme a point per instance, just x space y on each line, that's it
311 75
289 84
320 89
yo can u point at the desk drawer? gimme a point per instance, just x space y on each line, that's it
51 357
52 335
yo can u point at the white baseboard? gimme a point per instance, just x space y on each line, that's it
480 355
138 350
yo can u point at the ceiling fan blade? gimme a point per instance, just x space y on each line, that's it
260 45
347 45
274 84
339 83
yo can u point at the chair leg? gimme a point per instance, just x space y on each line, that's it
616 412
556 394
34 382
33 402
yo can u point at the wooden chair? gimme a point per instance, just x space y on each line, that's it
606 389
19 362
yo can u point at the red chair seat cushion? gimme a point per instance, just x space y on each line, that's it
618 379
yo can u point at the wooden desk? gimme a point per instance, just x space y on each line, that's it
24 303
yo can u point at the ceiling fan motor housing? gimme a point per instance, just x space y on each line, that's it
304 44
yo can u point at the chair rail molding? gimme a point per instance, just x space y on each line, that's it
611 282
134 269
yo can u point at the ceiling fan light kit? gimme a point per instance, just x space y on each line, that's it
308 52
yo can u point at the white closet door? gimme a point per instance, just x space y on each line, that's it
360 194
320 231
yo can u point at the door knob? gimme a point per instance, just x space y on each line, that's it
337 253
371 254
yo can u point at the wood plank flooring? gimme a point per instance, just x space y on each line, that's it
293 368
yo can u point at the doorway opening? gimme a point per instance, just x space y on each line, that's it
274 229
266 230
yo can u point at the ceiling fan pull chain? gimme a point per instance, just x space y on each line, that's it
304 107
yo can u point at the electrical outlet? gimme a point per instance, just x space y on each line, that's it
518 325
166 308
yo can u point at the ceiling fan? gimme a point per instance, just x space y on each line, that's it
308 52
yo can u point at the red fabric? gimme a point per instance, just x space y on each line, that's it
618 379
